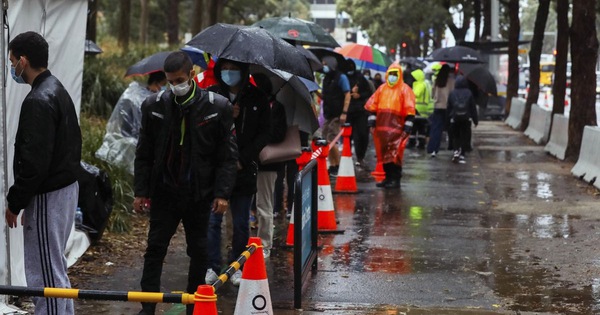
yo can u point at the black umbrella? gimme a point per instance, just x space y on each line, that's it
323 52
480 76
91 48
298 31
313 60
414 62
252 45
149 64
458 54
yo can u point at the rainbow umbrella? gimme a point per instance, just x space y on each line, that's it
366 57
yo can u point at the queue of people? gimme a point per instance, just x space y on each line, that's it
198 145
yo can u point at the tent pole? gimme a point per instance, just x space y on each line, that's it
4 129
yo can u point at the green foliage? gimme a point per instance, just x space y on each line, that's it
92 129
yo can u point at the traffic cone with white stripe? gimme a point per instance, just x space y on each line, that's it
301 161
326 213
254 296
205 300
346 179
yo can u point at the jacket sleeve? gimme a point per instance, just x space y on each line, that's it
144 154
373 102
33 149
364 89
227 154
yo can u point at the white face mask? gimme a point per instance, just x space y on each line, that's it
181 89
392 79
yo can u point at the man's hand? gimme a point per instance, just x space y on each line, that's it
220 206
343 118
11 219
141 204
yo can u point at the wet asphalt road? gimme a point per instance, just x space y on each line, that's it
510 231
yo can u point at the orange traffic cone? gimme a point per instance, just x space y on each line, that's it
378 174
346 179
326 213
205 300
254 296
301 161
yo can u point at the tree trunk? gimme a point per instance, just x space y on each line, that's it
562 46
513 52
173 22
92 23
584 48
534 59
486 33
459 33
197 15
144 17
477 15
124 27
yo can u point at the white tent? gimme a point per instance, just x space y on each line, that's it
63 24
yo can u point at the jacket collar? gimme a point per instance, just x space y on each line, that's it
41 77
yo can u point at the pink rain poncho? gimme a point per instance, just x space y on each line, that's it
391 103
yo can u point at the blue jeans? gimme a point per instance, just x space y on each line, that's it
438 121
239 205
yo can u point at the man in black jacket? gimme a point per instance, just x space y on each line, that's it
253 131
47 157
357 115
186 143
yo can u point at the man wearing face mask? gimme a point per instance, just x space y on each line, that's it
252 115
184 170
357 115
336 101
393 106
46 163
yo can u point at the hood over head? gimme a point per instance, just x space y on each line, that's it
396 69
461 82
419 75
244 68
331 62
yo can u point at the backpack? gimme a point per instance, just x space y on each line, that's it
460 108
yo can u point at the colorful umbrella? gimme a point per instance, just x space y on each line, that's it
366 57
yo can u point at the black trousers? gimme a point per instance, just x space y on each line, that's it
461 136
169 207
392 171
360 132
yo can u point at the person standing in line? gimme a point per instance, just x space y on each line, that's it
252 117
443 85
377 81
367 75
46 163
267 173
462 111
424 108
336 101
357 115
393 106
185 167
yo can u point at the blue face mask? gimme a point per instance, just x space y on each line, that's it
392 79
326 69
18 78
231 77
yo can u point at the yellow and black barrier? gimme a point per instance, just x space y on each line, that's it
130 296
235 266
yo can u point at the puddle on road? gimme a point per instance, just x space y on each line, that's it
405 239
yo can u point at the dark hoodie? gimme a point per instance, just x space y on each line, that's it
462 92
252 126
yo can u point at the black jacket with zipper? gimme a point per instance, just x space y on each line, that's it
48 143
213 146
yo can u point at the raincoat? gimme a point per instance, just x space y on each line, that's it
422 90
392 105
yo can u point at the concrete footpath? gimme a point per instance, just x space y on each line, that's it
510 231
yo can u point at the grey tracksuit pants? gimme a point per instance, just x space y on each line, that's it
48 222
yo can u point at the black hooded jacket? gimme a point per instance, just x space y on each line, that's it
462 92
252 126
48 143
213 149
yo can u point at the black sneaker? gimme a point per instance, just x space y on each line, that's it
381 184
333 170
392 184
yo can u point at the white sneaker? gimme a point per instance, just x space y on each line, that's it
433 154
236 278
266 253
211 276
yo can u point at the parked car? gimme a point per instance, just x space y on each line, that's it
546 73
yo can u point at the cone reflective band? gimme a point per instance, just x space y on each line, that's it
254 296
325 214
205 300
346 179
